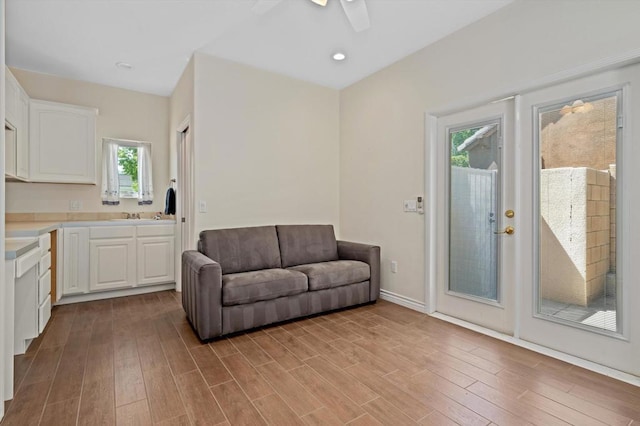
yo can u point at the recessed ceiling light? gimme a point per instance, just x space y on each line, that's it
339 56
124 65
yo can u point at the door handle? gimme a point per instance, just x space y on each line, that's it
508 230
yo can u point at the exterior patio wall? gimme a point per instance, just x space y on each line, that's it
574 234
583 139
612 217
598 231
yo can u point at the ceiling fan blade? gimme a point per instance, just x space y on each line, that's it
357 13
263 6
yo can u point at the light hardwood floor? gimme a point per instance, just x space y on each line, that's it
136 361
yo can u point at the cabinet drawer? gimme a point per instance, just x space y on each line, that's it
27 261
155 230
45 263
45 243
112 232
44 286
44 314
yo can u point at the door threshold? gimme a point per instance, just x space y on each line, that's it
574 360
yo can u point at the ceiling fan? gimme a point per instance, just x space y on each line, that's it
356 11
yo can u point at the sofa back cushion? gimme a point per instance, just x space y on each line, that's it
301 244
242 249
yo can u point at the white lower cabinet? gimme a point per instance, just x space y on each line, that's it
26 300
44 314
16 129
104 258
44 281
76 261
112 263
155 260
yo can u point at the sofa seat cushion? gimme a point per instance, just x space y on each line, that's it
267 284
334 274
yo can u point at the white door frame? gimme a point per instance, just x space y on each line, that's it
184 196
431 186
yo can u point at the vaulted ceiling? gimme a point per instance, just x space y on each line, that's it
84 39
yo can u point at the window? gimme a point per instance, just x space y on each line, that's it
126 171
578 279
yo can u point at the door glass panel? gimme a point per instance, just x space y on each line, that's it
578 143
473 209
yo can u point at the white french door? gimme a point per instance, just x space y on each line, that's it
562 180
579 242
474 228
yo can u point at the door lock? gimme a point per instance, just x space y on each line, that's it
509 214
508 230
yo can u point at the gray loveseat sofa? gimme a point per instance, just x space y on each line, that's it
244 278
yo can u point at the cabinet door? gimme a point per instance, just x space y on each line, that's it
75 270
10 147
62 143
26 310
22 143
112 263
155 260
12 89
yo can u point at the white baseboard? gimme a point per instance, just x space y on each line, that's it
401 300
65 300
580 362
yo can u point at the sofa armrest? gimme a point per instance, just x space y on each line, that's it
202 293
364 253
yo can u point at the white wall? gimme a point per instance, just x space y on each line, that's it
181 107
123 114
266 147
382 117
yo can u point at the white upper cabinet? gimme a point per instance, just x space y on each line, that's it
62 143
12 96
22 149
17 129
10 142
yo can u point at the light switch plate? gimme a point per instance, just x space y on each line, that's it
410 206
394 266
202 206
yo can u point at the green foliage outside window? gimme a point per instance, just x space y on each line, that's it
128 162
460 159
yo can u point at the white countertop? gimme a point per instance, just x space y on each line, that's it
117 222
16 247
29 229
35 229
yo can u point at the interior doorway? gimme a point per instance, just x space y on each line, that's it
184 197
